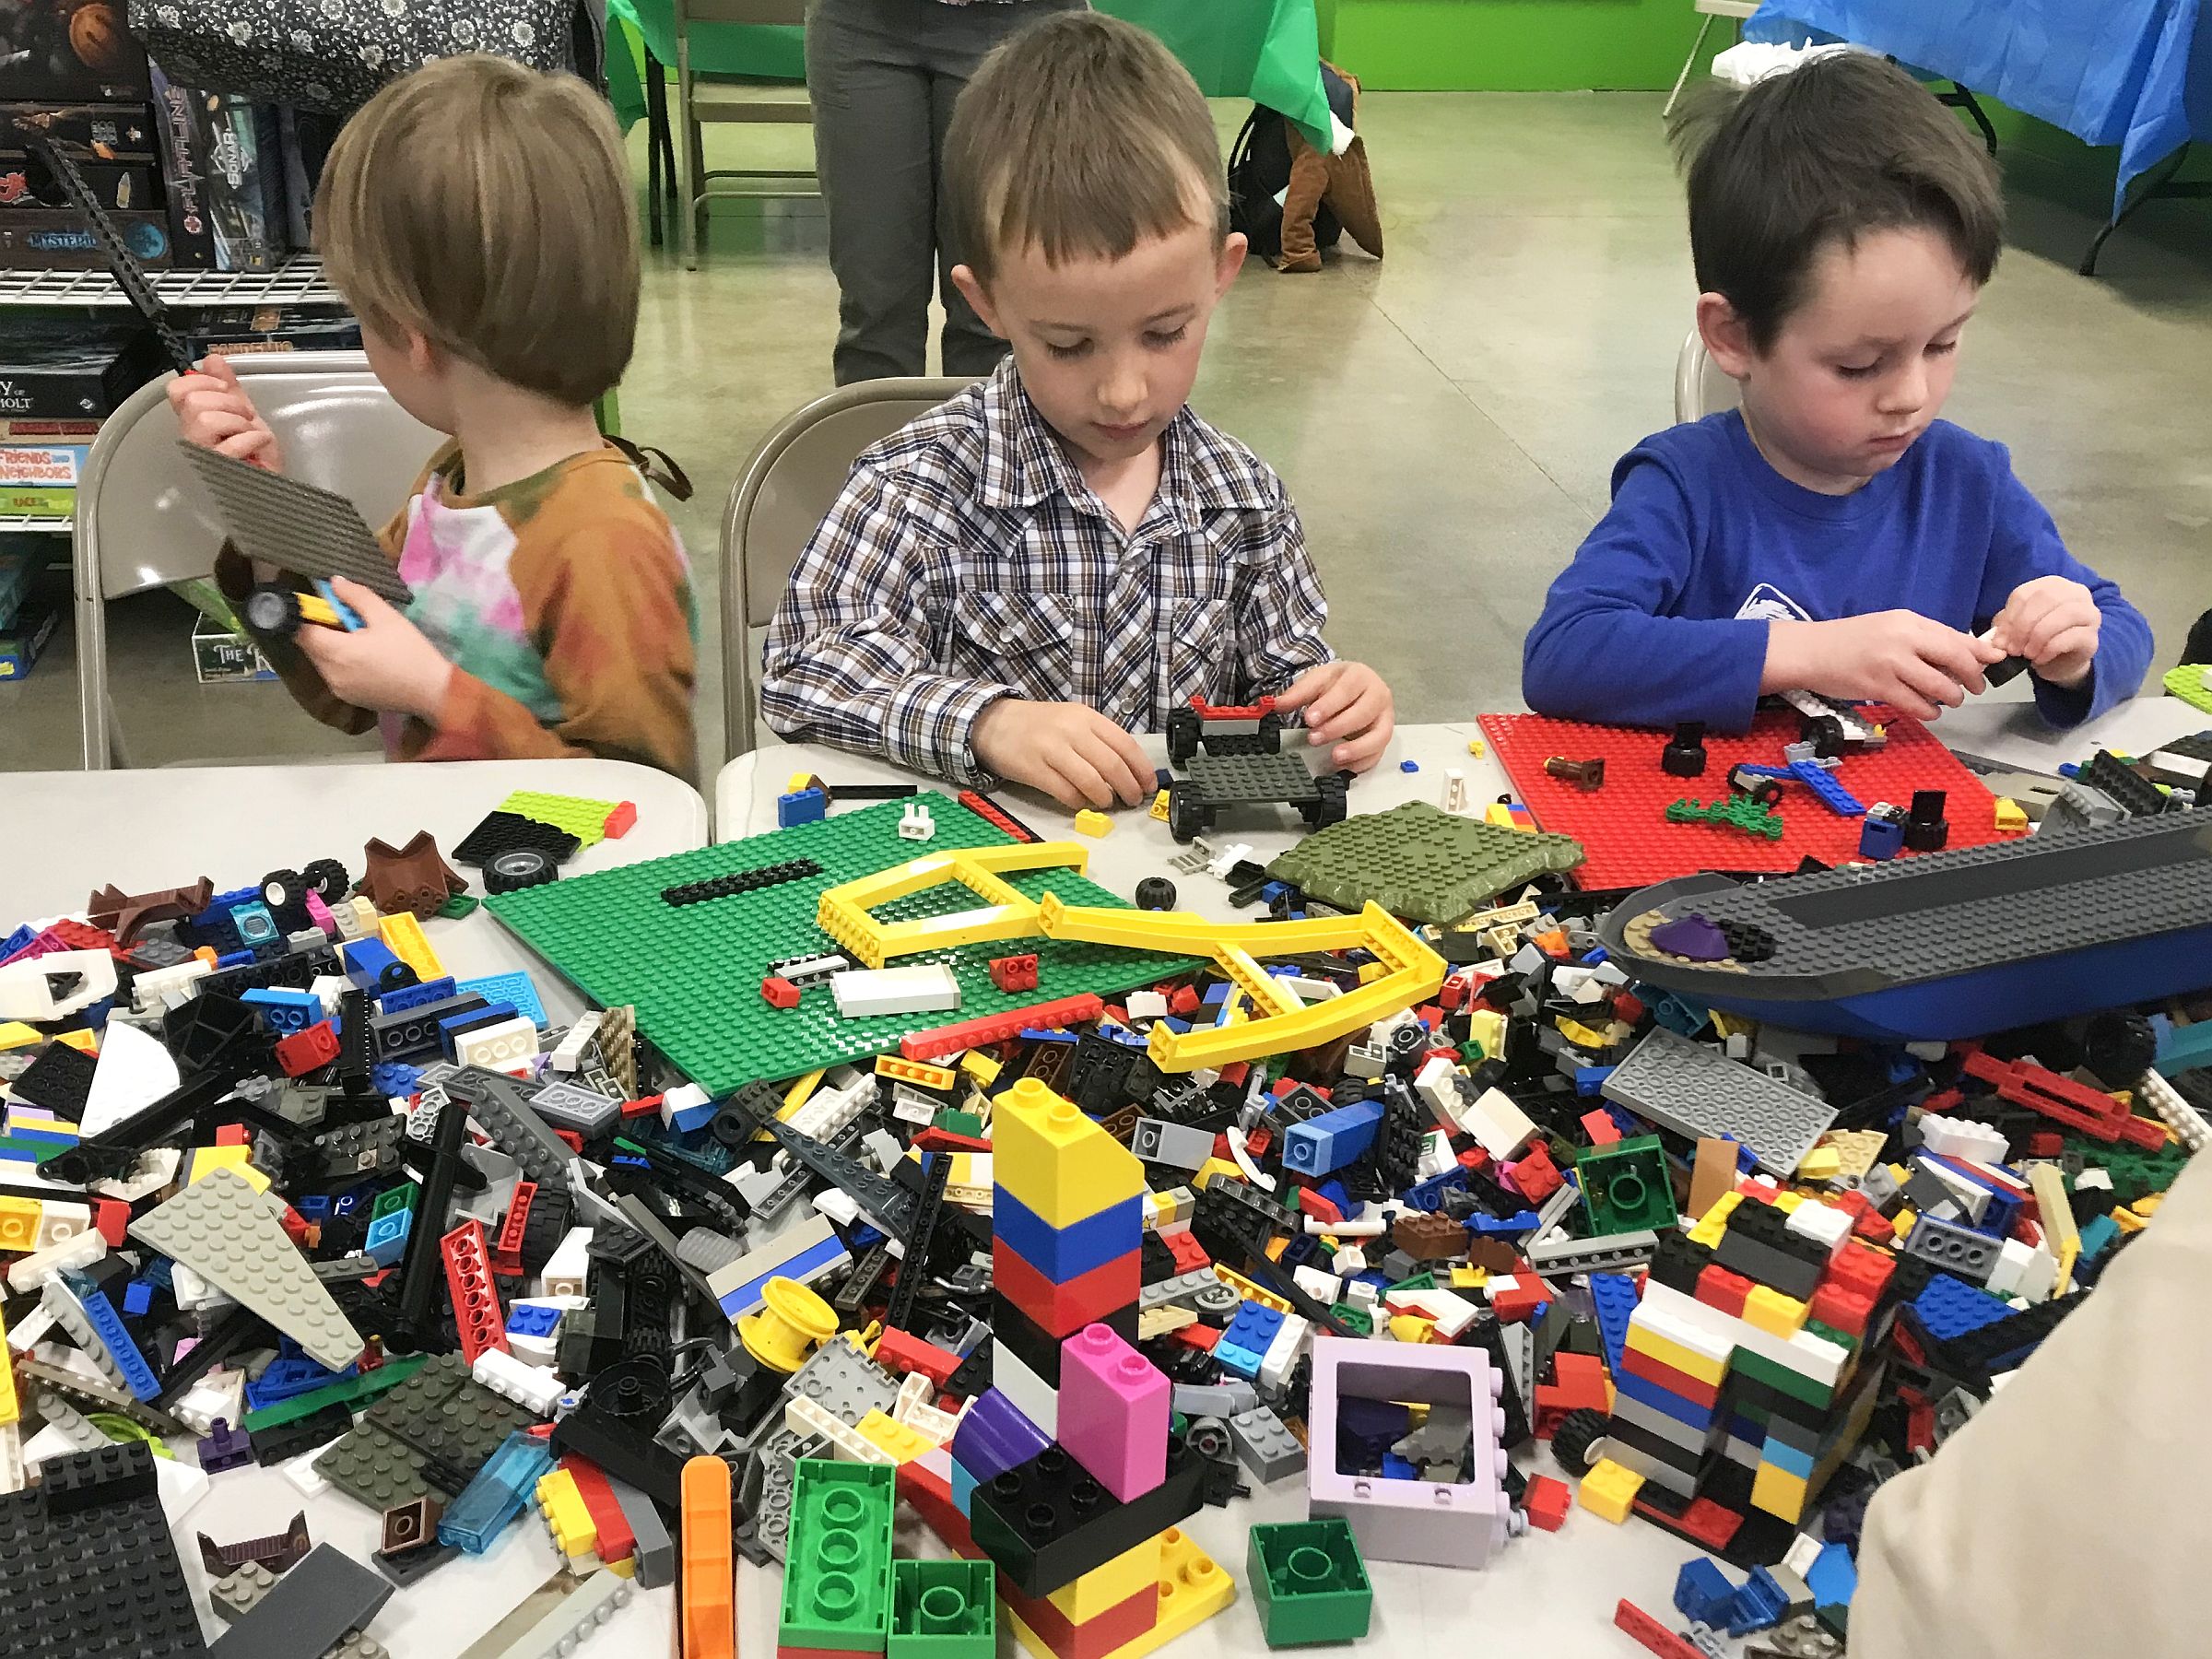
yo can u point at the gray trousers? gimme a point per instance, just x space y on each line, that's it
883 76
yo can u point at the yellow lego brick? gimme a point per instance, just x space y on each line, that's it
84 1042
574 1533
1163 1321
1059 1163
15 1034
9 1408
2011 819
19 1223
1212 1168
1855 1149
1486 1026
2128 1221
1822 1163
1372 971
1770 1310
405 938
1667 1351
1192 1590
1495 813
1092 823
1159 809
980 1068
1247 1291
1779 1493
900 1442
1902 1221
1411 1327
1610 1491
1714 1222
1474 748
1787 1201
1104 1588
1733 1025
1581 1035
920 1073
239 1161
1469 1279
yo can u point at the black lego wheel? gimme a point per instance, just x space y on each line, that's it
1271 733
271 613
1182 736
326 878
1335 793
519 868
280 889
1576 1440
1186 817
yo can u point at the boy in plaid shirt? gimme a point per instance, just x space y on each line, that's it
1064 551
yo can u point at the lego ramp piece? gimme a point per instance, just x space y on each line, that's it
1699 1092
615 936
310 1609
1622 827
295 525
843 912
1419 863
222 1230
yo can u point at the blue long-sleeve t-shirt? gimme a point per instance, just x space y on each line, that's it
1663 614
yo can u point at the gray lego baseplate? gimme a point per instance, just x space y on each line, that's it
224 1230
296 525
1247 780
1699 1092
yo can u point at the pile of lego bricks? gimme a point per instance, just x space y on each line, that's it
277 1188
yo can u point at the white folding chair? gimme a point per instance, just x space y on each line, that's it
1700 389
1738 9
704 98
784 491
142 521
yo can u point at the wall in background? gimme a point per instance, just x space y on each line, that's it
1514 45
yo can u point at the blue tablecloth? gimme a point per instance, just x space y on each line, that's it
2134 73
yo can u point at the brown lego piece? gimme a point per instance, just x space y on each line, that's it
1429 1238
1711 1175
280 1552
413 879
1493 1256
1121 1125
125 915
411 1525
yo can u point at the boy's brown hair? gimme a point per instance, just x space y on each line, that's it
1838 148
1081 135
488 207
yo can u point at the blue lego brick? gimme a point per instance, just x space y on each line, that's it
138 1298
1332 1140
387 1240
1244 1343
684 1121
1645 1391
496 1495
285 1012
808 1264
516 988
1500 1226
2097 1237
21 939
533 1322
290 1374
1347 1205
1951 1308
372 965
395 1077
801 806
1881 838
137 1376
1758 1606
1785 1456
1590 1079
240 957
1830 792
1833 1577
1428 1195
1702 1592
1615 1296
312 1207
453 1026
963 1487
414 996
1398 1469
1062 1253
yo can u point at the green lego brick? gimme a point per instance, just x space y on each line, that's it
2135 1172
1420 862
584 819
1359 1321
1310 1582
1797 1384
837 1578
957 1121
943 1610
1827 1332
352 1392
393 1201
458 906
1748 812
1627 1187
691 971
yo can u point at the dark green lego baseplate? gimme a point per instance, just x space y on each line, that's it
693 971
1420 862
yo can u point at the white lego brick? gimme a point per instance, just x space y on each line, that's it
220 1394
1289 1341
301 1472
914 823
514 1379
1360 1293
1821 1224
1971 1197
1803 1551
509 1046
12 1475
569 1053
31 1272
1959 1137
1448 1310
1684 1320
32 1329
1350 1260
134 1071
29 988
929 988
829 1110
568 1267
1228 859
1147 1004
1323 1288
58 1220
2012 1262
1359 1227
160 989
1032 1395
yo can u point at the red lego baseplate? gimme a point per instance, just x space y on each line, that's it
1627 842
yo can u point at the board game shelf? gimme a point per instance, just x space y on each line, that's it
298 281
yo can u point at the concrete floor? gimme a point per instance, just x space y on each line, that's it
1447 420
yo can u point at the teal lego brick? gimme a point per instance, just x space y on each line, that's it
690 970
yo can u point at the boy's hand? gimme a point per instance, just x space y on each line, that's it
1345 702
1915 664
387 665
2051 621
214 412
1069 750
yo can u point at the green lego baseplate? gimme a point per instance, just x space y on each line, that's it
1420 862
2190 684
693 971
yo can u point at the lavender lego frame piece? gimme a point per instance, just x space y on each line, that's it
1457 1525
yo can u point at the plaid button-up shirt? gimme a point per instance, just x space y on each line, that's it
967 561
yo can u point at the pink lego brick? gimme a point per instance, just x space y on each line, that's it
1113 1412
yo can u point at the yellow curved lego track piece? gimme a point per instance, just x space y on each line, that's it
1005 913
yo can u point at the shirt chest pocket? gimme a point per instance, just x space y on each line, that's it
1202 652
1026 641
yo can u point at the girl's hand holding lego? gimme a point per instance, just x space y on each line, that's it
214 412
2052 622
1915 664
1069 750
1347 704
387 665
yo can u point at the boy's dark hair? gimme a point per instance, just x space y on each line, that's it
1839 147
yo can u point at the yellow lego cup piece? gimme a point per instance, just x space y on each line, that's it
1104 1588
1092 823
1610 1491
792 1322
1060 1165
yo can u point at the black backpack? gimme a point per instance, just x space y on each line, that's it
1259 171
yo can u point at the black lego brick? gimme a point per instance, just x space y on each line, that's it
57 1081
1029 1343
741 881
1045 1522
86 1480
98 1582
500 833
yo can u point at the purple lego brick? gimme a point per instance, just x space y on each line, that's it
995 1437
1113 1412
1462 1524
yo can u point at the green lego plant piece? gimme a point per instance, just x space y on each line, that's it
1310 1582
1748 812
943 1610
1627 1187
1420 862
349 1393
837 1574
689 970
584 819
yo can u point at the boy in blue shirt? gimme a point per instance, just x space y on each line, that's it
1833 535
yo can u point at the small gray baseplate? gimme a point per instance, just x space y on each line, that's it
1699 1092
296 525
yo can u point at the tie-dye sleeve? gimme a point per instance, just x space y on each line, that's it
606 600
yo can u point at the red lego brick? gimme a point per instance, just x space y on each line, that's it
931 1498
1547 1501
1648 1633
1061 1310
779 992
1189 1255
1600 1127
1637 1363
996 1027
2046 1143
1578 1383
1520 1300
507 1250
1094 1637
1200 1337
1013 973
302 1052
620 821
80 935
1184 1001
1718 1288
1626 842
1452 994
478 1318
902 1351
1628 1008
1704 1522
110 1216
1316 1205
1846 1310
645 1106
231 1135
933 1139
989 811
1535 1176
616 1542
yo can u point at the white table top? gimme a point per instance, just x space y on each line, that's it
148 830
2003 727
